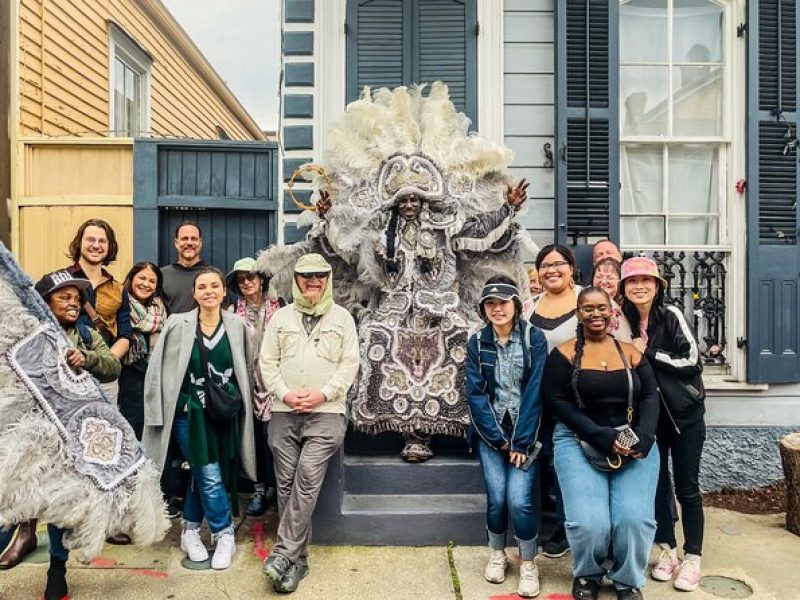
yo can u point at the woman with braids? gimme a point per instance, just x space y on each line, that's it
663 335
504 372
603 393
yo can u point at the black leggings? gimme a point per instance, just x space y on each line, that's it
686 449
265 470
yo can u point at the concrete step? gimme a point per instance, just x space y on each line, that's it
413 504
390 475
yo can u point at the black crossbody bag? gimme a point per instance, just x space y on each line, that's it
221 406
615 462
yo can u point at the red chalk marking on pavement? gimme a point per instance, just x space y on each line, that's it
258 538
103 563
150 573
556 596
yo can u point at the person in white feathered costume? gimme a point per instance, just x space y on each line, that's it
418 215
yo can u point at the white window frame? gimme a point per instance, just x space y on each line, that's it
123 47
723 142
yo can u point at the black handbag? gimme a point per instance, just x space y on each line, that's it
600 460
221 406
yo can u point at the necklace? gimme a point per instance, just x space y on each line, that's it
603 361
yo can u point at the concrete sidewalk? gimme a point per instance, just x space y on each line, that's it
756 550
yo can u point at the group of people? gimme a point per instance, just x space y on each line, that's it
602 385
583 393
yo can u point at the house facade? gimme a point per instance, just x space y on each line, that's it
669 127
82 80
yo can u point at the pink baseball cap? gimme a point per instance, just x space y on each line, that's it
642 265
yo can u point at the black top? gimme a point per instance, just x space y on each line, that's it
604 395
547 323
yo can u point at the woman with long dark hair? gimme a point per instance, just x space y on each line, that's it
504 372
663 335
603 393
201 353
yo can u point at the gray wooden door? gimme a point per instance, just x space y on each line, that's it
228 188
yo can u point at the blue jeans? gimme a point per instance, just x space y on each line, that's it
206 495
509 490
57 549
607 508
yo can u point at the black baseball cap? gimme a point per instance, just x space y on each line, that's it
501 291
60 279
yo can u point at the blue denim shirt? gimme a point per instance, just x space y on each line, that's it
508 375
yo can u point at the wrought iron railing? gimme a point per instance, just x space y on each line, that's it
698 286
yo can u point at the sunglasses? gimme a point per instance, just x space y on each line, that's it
246 277
319 275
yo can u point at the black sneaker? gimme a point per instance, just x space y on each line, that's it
630 594
557 546
584 588
291 579
275 566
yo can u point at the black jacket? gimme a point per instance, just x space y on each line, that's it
675 356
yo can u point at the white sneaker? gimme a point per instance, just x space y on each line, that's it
528 579
226 547
666 564
193 546
495 571
688 578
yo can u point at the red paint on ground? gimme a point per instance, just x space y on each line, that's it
151 573
556 596
103 563
261 550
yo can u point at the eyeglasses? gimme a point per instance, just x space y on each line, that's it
553 265
606 278
319 275
240 279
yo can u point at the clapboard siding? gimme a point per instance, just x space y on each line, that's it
64 72
529 111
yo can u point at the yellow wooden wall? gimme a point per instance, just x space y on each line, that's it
63 183
64 70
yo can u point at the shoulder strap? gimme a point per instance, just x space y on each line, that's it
203 350
629 414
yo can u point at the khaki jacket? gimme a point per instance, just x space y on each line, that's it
166 370
100 362
327 360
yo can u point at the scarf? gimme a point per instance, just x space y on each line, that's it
304 306
147 322
266 309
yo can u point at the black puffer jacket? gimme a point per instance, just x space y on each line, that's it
675 356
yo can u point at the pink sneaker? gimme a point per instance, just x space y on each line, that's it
666 564
688 578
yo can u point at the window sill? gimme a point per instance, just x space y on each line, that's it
716 382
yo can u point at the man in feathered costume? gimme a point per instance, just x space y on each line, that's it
67 456
418 214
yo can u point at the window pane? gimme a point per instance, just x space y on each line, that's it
697 31
642 230
693 231
119 97
642 179
697 100
693 179
644 102
132 93
643 31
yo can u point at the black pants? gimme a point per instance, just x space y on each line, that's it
265 468
686 449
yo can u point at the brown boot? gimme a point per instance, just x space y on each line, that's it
24 544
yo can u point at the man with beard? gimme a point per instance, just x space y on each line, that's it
309 359
106 307
177 291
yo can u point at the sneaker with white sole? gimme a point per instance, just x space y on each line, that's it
528 579
193 545
226 547
495 571
666 564
688 578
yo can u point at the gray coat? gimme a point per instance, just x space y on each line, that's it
166 370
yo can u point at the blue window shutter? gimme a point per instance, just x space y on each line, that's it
378 44
403 42
445 43
587 120
773 180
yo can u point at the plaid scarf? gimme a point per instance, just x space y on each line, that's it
147 322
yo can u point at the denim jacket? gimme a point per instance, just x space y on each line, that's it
481 361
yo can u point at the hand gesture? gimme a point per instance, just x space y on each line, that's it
323 204
517 459
307 400
518 194
75 358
